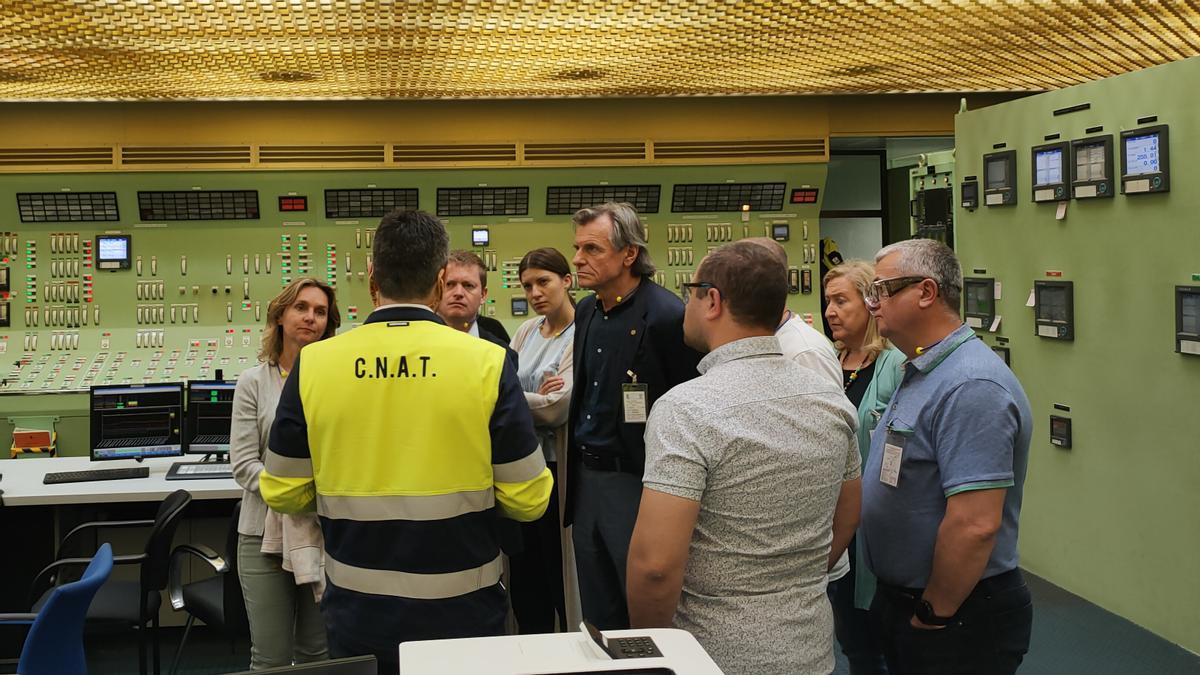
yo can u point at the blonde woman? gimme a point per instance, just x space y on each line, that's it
285 624
870 374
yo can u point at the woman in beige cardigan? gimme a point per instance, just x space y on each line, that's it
285 624
545 348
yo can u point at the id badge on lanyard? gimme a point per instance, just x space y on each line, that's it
633 400
893 455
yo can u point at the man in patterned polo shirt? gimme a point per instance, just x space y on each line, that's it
751 476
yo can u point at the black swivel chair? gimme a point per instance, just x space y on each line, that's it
217 600
127 603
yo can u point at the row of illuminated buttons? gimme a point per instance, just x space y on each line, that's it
152 290
65 268
59 292
57 341
359 237
61 316
9 244
66 242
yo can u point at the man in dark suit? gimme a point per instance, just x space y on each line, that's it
629 351
466 289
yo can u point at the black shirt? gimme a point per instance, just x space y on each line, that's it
858 388
598 425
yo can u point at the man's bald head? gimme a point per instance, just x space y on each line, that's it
775 248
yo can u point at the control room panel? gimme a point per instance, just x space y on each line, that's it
109 279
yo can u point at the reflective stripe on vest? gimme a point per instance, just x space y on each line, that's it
404 507
287 467
410 584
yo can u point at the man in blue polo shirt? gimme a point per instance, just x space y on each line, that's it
943 482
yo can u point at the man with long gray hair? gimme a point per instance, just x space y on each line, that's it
629 351
944 477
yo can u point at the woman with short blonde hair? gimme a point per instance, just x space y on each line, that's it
870 375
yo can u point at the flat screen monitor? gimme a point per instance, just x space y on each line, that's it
208 417
480 237
1048 167
996 173
113 251
1142 155
131 421
1091 162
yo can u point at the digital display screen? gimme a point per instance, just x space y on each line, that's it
112 249
997 174
1060 429
1141 155
480 238
780 232
520 307
1090 164
1048 167
1189 313
970 192
1052 303
979 298
804 196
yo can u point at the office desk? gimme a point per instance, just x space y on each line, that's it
22 483
37 515
550 653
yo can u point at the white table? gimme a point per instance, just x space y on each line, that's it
550 653
22 482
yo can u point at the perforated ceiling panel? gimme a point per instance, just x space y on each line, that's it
330 49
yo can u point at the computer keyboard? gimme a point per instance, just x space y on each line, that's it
96 474
196 470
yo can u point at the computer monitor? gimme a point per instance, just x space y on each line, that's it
132 421
208 417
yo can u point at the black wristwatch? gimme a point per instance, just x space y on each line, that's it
924 613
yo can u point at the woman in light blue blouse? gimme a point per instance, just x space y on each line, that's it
545 346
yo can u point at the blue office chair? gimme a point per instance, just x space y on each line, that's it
55 641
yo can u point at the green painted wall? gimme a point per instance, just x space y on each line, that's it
1116 518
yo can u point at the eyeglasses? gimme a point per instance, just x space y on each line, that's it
885 288
685 288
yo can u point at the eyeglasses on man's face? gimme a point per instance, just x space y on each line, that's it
685 289
886 288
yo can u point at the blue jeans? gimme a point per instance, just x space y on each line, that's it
856 630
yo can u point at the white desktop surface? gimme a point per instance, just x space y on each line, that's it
22 482
549 653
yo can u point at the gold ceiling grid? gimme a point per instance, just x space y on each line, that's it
367 49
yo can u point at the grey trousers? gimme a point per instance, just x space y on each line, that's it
285 624
605 513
